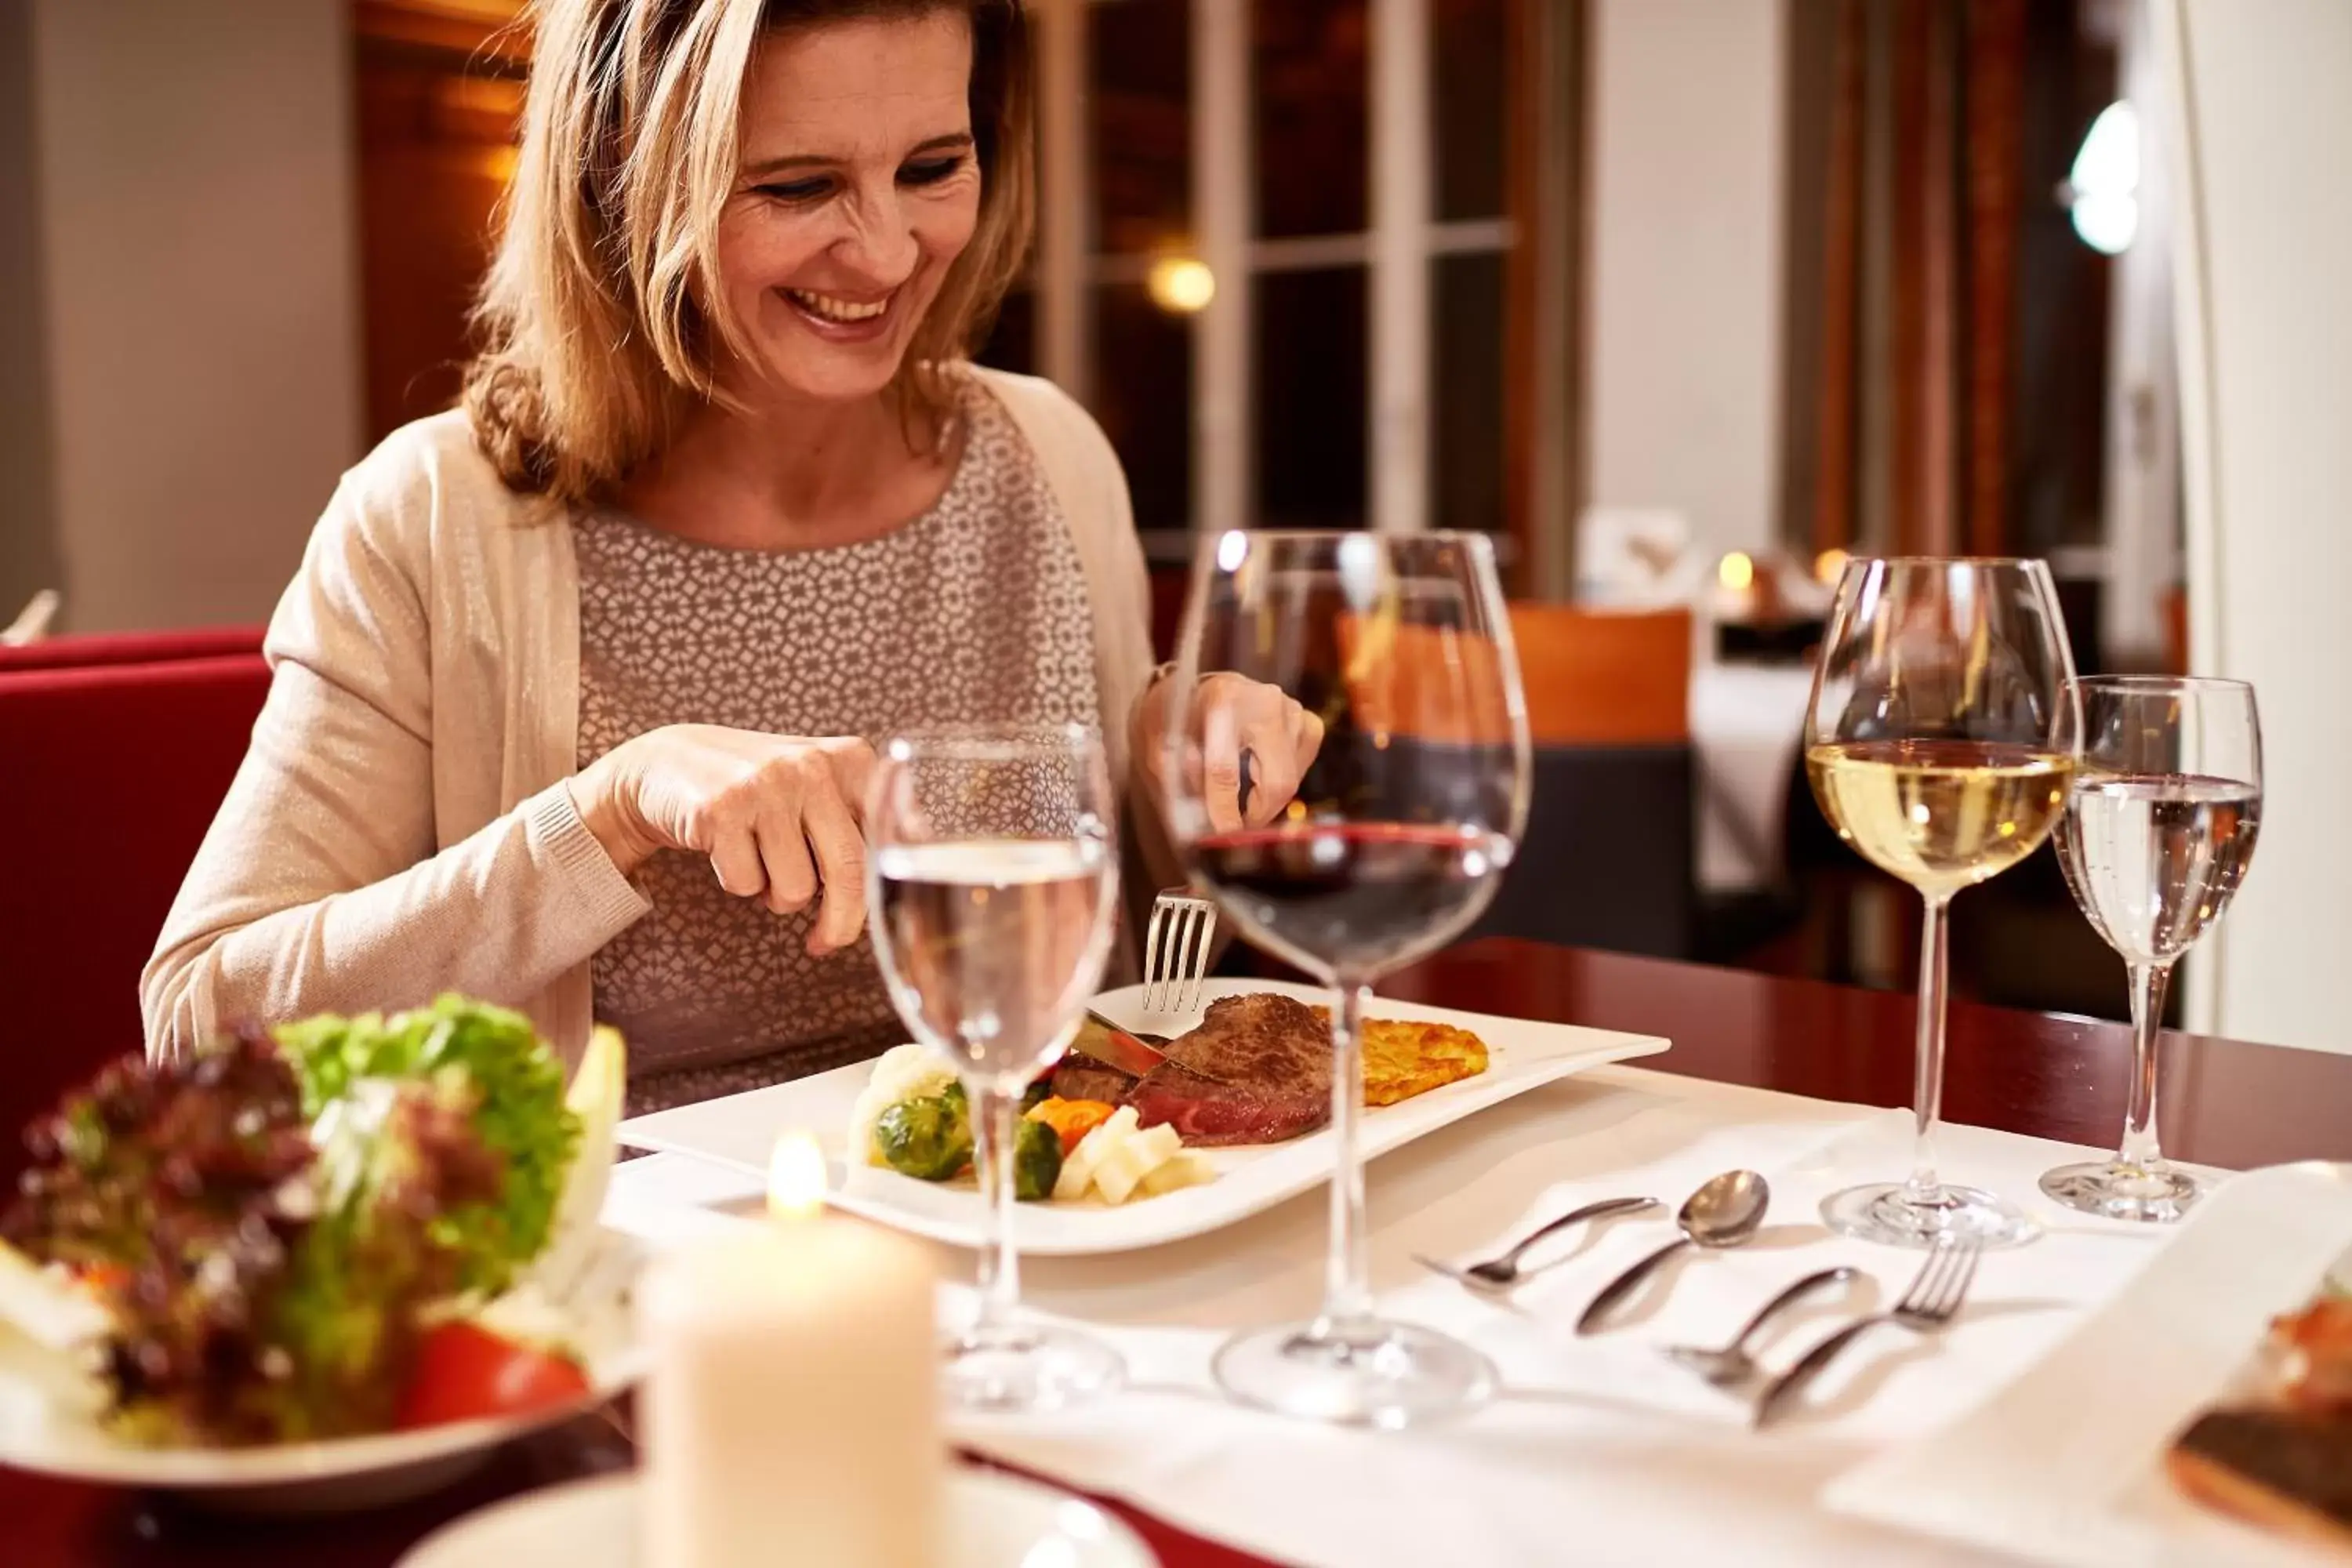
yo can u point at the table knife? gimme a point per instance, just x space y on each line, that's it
1101 1040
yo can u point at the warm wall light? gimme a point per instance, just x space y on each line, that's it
1181 285
2102 191
1735 571
1829 566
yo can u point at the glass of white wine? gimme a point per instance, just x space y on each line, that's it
992 872
2160 828
1942 733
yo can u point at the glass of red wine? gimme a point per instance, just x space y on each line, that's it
1389 847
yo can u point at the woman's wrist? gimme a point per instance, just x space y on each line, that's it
598 803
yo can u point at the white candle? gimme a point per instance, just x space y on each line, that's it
791 1410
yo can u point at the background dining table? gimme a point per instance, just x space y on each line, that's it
2229 1103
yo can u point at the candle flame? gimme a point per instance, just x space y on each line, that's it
1735 571
1829 566
796 1177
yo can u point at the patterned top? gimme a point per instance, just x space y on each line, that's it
974 612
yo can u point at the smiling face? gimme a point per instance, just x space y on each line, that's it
858 189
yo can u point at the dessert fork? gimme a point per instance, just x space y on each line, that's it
1176 948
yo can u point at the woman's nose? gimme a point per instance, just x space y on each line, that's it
880 244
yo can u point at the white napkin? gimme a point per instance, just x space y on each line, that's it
1599 1450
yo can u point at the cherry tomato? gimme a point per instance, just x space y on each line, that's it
464 1370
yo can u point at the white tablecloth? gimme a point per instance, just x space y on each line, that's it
1747 730
1599 1451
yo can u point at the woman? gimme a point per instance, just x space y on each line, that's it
568 694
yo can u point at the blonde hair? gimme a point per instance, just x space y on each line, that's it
601 316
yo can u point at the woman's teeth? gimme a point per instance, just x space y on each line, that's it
827 307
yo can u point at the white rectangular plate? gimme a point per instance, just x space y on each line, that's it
740 1131
2065 1464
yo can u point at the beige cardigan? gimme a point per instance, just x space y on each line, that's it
399 827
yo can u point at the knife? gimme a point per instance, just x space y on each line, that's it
1101 1040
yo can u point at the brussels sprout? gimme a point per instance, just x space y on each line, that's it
930 1138
1037 1161
1037 1094
954 1095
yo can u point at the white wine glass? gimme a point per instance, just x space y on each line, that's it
2160 828
1389 849
1939 740
993 874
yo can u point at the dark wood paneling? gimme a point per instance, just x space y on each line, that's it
1834 509
1994 160
438 100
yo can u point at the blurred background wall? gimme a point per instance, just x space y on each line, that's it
189 208
2266 248
1689 157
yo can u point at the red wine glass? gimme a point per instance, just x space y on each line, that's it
1389 849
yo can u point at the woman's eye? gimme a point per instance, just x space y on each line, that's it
930 172
795 190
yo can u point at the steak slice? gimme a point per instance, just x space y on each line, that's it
1079 1077
1274 1057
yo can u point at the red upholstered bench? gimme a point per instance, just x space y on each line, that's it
110 773
130 648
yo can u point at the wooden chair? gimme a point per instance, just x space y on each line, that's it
1596 678
1607 859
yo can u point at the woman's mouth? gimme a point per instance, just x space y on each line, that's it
840 316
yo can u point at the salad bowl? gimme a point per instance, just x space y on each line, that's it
49 1427
326 1268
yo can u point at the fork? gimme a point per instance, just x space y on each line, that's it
1928 1307
1176 947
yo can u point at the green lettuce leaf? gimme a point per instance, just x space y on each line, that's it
491 1060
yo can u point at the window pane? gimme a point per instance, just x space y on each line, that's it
1310 398
1470 94
1143 397
1011 343
1466 391
1312 133
1139 102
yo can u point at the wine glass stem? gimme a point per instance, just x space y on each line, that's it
2149 983
1928 1092
996 1125
1347 1289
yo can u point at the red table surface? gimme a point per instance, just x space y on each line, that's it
2227 1103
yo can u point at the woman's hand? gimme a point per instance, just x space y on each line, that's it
778 815
1233 718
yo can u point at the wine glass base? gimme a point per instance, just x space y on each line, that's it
2117 1191
1886 1212
1361 1373
1026 1367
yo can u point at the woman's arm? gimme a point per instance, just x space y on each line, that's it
318 887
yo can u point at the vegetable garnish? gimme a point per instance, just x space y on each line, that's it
1073 1118
913 1119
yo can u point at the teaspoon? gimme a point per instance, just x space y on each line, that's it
1725 1212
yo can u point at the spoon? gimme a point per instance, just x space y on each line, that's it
1730 1365
1725 1212
1502 1273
